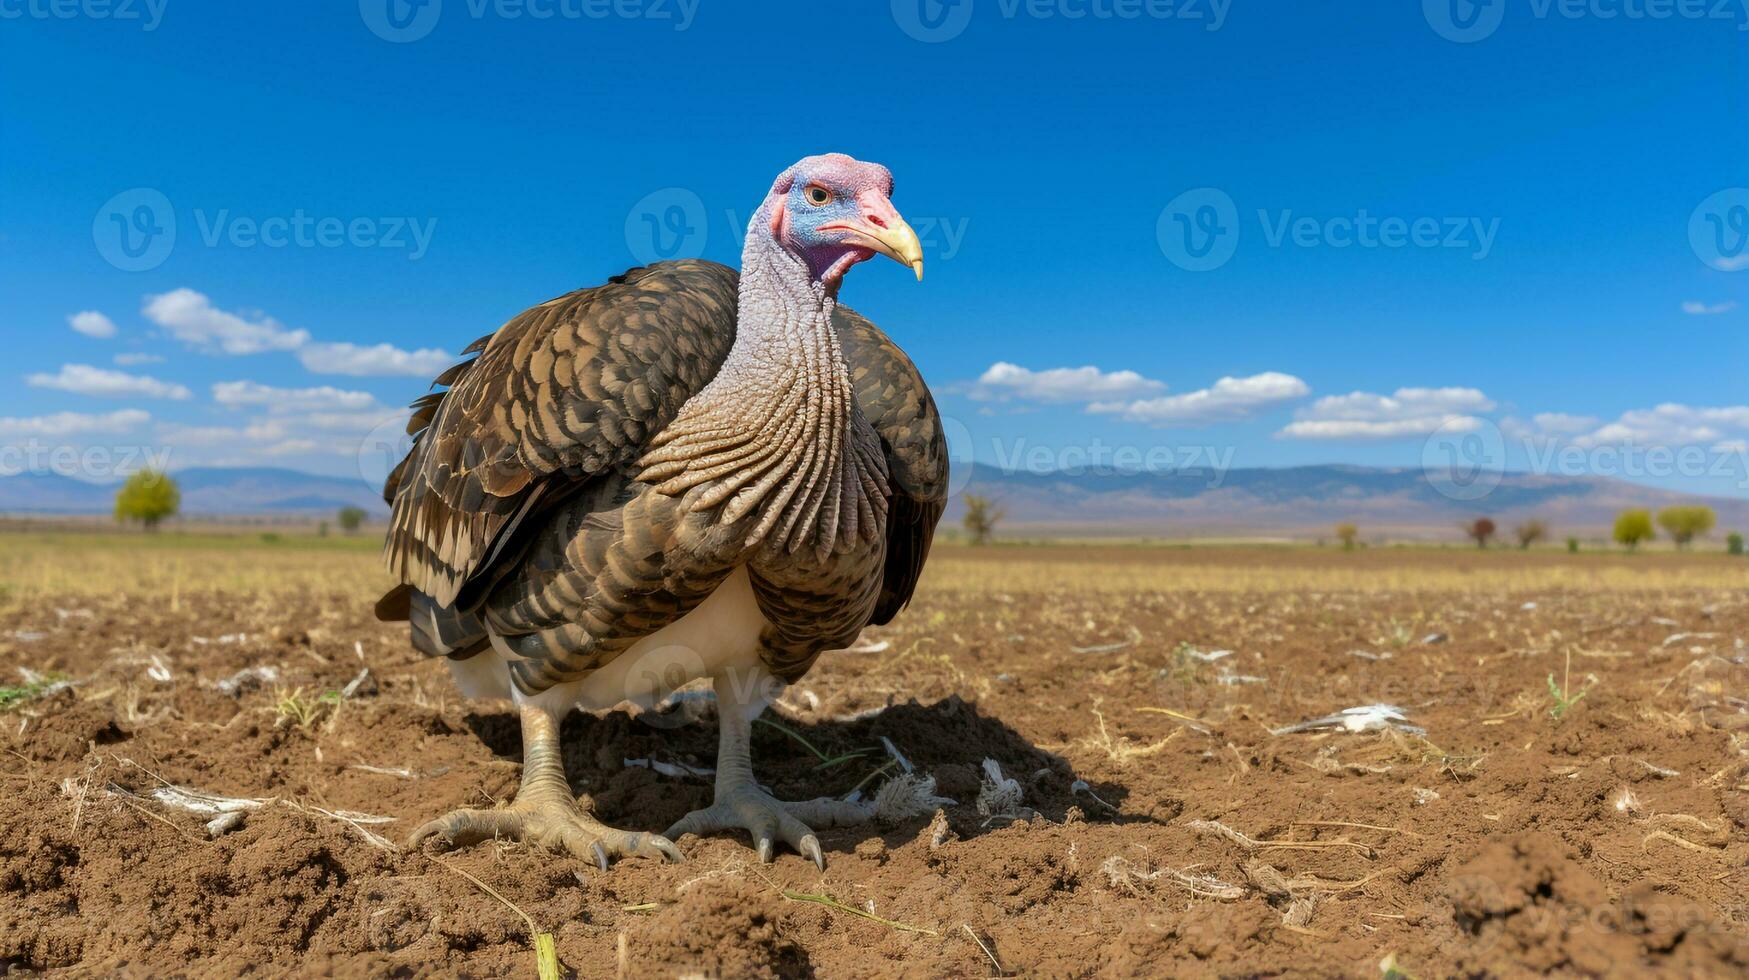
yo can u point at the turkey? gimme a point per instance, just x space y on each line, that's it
684 473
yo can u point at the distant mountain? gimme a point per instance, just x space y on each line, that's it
1300 500
217 491
1305 500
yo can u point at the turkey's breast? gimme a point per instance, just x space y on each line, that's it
624 572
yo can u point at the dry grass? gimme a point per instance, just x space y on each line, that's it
1117 569
172 564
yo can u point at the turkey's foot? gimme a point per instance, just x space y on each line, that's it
746 807
554 824
545 813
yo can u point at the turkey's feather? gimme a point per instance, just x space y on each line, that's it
575 390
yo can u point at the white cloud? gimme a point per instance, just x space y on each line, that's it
192 318
74 423
324 398
92 324
1404 412
1669 424
1083 384
379 359
1697 308
130 359
83 379
1226 400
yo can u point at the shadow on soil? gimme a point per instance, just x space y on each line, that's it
798 759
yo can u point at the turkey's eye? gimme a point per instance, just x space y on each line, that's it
817 196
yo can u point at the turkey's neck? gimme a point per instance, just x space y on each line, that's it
775 435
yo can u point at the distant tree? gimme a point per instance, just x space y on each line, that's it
1347 534
982 514
1734 543
1480 530
1529 533
148 496
1684 524
1572 545
1633 527
351 518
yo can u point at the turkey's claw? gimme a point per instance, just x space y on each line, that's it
550 824
751 809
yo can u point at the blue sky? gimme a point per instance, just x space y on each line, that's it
1511 232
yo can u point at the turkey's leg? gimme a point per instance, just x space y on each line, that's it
544 812
739 802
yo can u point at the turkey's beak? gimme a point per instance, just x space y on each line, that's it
900 244
882 230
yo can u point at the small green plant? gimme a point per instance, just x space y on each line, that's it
34 687
1733 546
1572 545
271 537
1563 693
293 707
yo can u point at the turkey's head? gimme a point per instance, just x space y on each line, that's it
834 211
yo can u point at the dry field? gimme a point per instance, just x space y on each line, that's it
1576 800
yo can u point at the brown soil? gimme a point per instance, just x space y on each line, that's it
1610 841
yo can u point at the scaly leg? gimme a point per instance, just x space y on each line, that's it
544 812
739 802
